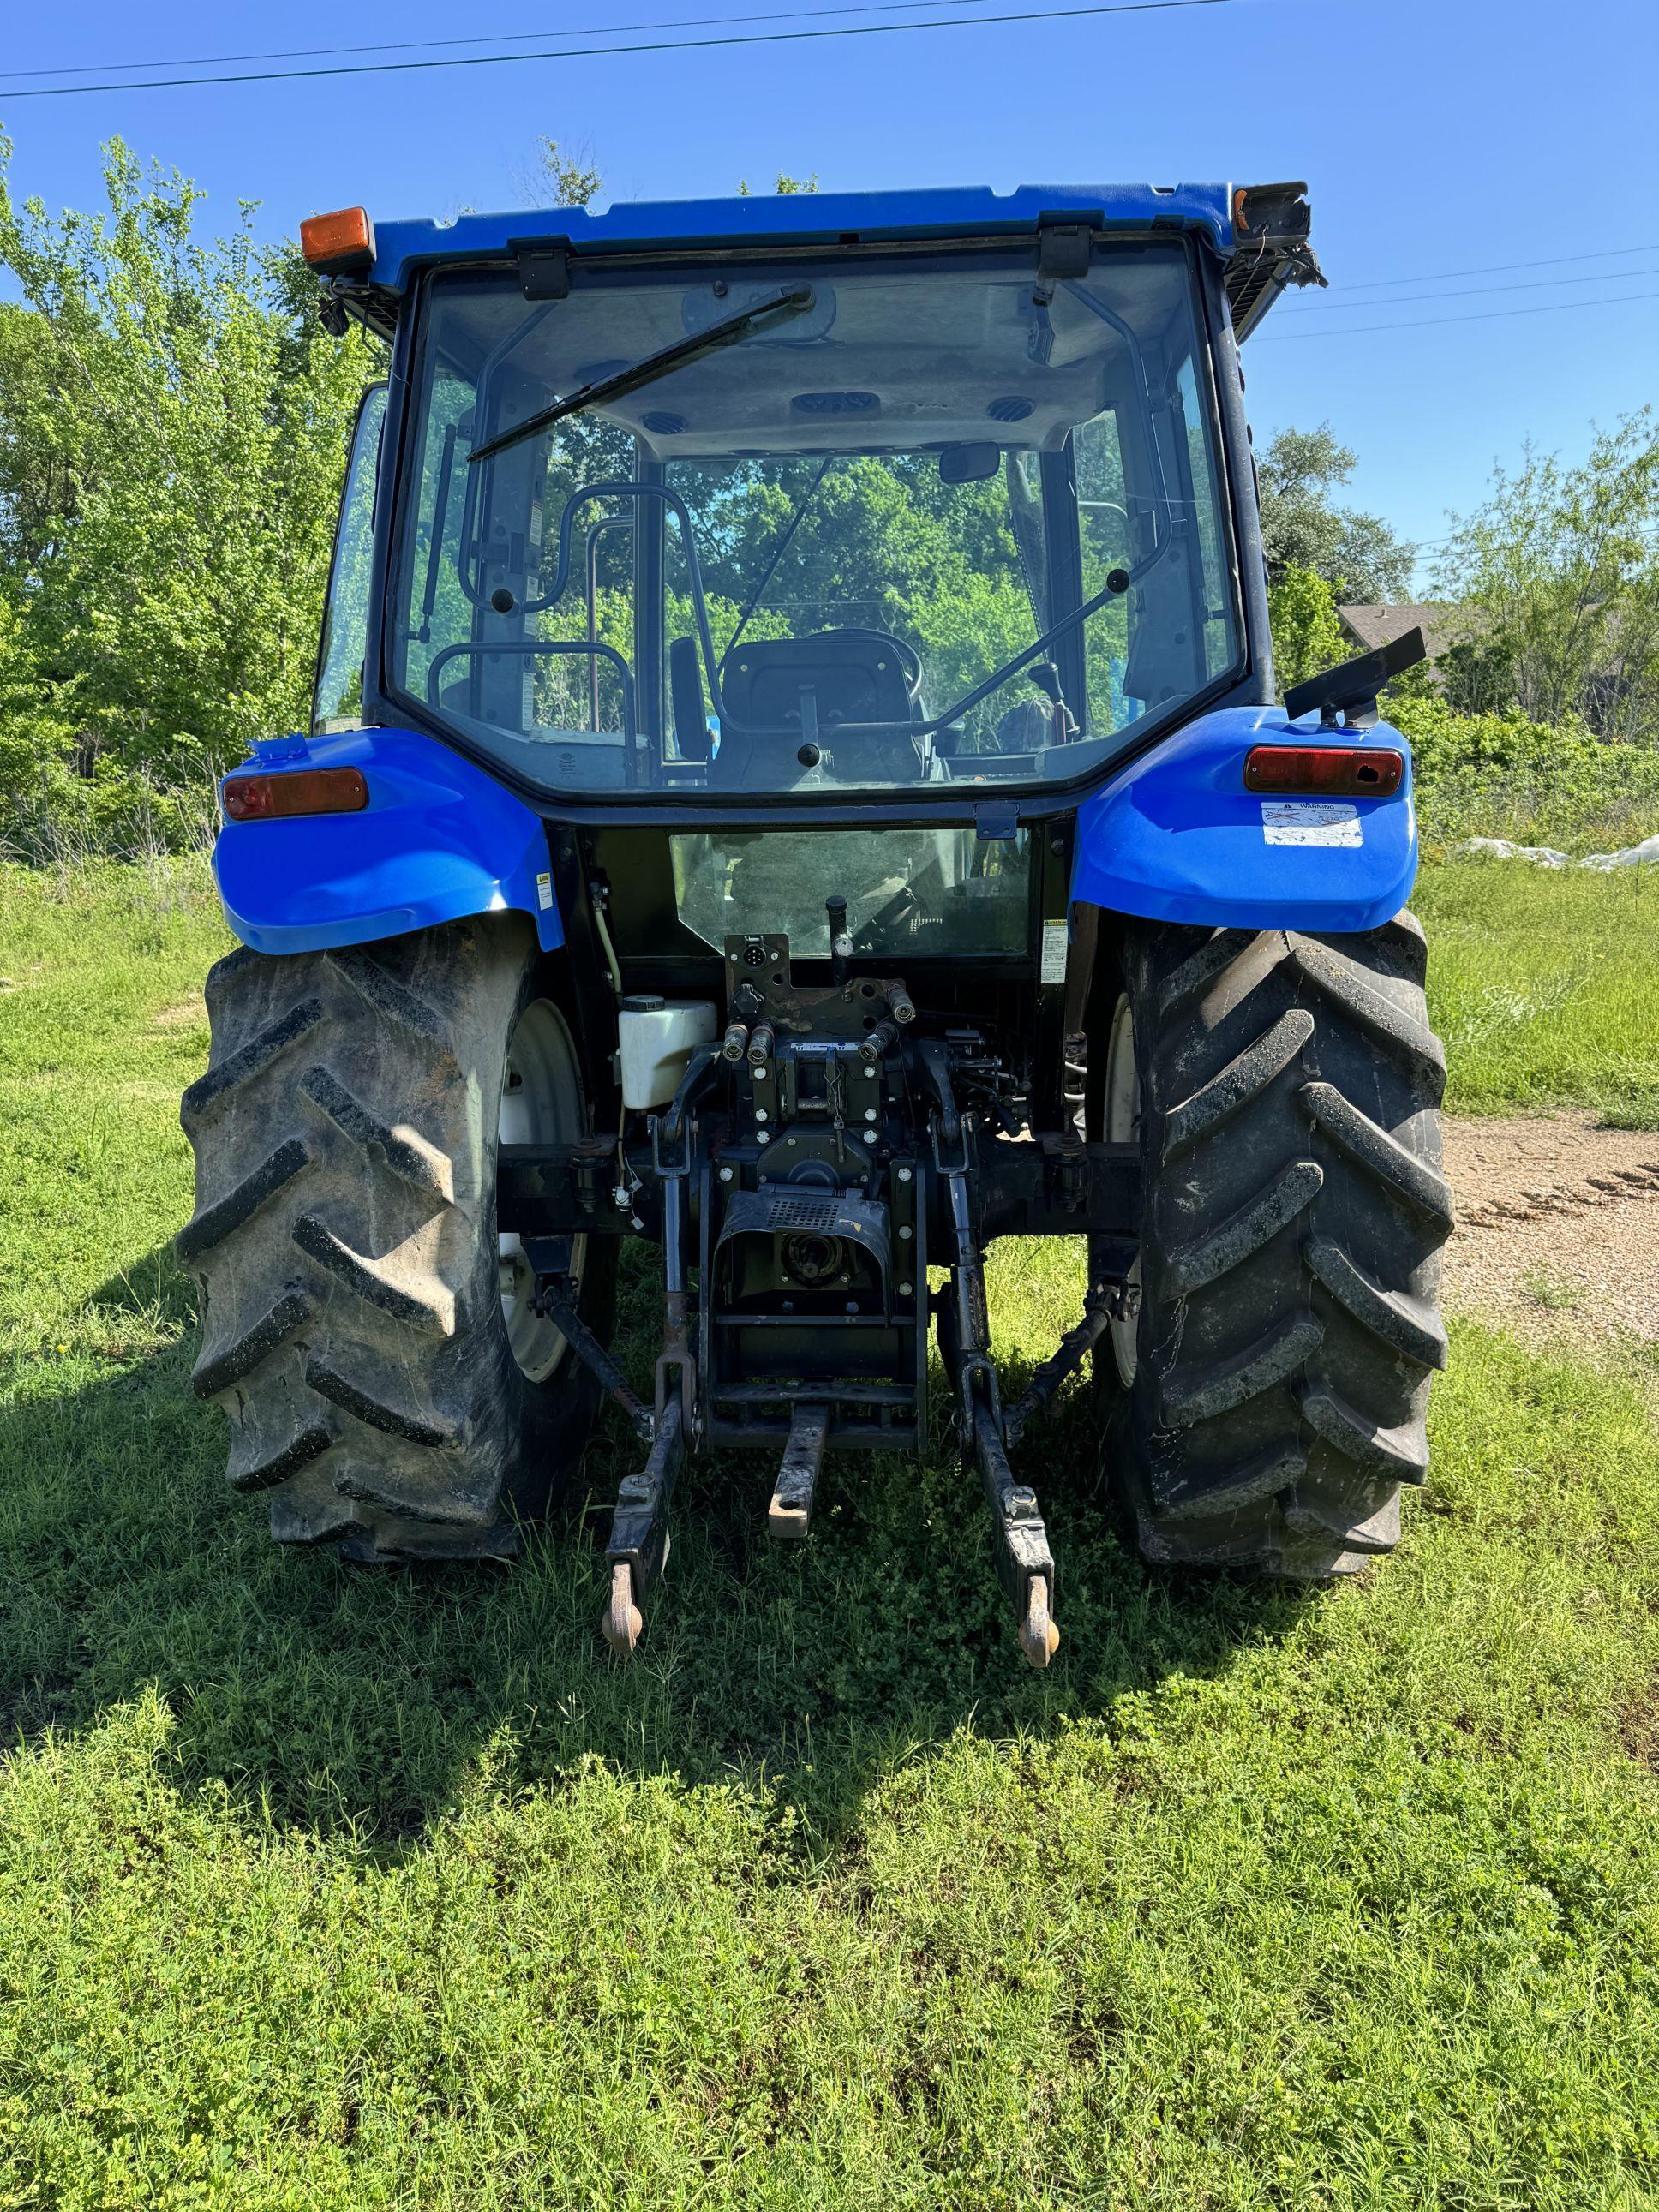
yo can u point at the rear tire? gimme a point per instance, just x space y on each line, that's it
363 1325
1269 1401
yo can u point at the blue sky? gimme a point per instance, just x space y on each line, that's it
1437 136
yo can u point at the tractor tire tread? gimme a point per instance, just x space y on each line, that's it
420 1164
219 1085
214 1223
352 1319
1246 1077
398 1008
1294 1210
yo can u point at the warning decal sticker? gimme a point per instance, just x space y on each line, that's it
1054 953
1308 822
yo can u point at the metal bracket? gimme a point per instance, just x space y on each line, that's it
791 1510
999 820
1063 250
544 267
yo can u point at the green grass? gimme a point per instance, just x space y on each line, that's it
324 1890
95 1170
1546 987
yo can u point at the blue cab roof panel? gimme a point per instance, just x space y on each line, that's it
804 218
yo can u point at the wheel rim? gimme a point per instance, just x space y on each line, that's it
1123 1127
541 1105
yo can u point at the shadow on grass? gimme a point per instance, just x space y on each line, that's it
341 1698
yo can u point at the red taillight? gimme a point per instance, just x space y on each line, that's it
1353 771
302 791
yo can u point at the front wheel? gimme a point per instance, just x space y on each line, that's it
1265 1405
370 1335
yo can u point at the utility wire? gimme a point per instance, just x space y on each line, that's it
1498 269
1471 292
495 38
1491 315
583 53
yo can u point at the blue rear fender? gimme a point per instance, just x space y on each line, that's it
438 841
1176 838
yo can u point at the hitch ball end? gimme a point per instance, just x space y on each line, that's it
624 1623
1039 1639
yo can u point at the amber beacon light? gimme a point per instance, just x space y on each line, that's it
342 241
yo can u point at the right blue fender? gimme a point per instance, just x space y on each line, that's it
1176 838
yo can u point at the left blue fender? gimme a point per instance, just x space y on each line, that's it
438 841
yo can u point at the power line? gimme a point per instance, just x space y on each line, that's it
1491 315
1498 268
1471 292
495 38
584 53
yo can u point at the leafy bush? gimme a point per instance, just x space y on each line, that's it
1501 775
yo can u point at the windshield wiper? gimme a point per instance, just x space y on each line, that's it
788 299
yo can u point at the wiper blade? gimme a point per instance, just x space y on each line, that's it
788 299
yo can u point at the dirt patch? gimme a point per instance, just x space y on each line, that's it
1557 1226
184 1016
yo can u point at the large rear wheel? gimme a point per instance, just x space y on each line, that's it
1265 1405
371 1336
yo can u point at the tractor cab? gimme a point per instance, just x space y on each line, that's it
804 515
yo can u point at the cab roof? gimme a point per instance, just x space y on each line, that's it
1259 230
810 218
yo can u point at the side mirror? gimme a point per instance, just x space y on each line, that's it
969 463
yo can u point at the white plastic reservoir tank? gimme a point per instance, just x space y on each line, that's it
657 1038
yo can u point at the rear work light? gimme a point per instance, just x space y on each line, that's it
1350 771
302 791
333 243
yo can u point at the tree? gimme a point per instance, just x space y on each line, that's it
1307 636
172 425
574 180
786 183
1301 528
1560 571
571 176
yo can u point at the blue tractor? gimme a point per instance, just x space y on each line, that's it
796 777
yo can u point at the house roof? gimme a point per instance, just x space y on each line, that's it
1441 622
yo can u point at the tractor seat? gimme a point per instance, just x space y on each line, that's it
788 689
